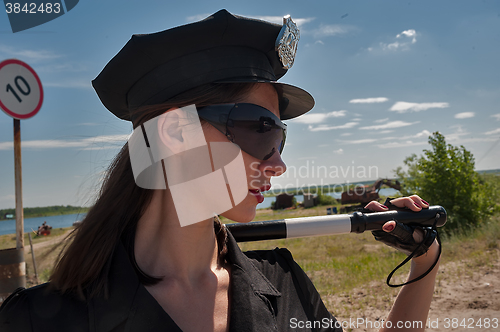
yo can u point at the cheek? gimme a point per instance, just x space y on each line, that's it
252 167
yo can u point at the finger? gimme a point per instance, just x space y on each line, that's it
407 202
376 206
389 226
419 201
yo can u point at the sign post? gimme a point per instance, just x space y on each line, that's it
19 185
21 97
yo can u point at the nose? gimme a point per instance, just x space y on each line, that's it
274 166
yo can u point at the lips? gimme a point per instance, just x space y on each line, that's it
258 192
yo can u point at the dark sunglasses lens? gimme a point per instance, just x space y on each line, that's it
256 130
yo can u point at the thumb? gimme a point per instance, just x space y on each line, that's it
401 231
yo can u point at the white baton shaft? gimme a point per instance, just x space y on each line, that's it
334 224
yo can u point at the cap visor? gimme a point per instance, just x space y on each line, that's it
299 100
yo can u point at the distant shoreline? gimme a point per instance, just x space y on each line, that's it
48 211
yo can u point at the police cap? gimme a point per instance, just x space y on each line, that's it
223 48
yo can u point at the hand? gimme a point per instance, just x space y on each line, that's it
403 237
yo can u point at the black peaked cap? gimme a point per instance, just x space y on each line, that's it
152 68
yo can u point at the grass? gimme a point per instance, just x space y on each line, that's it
45 255
348 270
9 240
339 264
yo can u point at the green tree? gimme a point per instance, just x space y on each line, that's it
445 176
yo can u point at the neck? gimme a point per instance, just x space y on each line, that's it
165 249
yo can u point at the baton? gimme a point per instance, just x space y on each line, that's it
334 224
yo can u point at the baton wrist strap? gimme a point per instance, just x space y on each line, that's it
407 259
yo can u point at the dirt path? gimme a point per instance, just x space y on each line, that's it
464 300
51 241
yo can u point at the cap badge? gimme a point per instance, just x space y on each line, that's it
286 43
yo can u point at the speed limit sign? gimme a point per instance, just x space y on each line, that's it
21 92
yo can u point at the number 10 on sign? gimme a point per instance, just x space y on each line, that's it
21 93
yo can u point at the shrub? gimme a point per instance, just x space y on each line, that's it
445 176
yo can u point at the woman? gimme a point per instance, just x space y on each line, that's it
133 265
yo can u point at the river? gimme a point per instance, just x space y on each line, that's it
9 226
67 220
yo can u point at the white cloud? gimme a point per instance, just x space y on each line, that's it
326 127
327 30
410 34
104 141
493 132
465 115
339 151
197 17
84 84
31 55
359 141
311 118
402 41
403 106
496 116
458 137
400 144
274 19
346 134
381 120
279 19
369 100
389 125
423 134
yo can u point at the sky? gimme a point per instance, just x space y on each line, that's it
385 75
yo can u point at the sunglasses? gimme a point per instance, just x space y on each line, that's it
255 129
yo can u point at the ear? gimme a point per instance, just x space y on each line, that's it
170 130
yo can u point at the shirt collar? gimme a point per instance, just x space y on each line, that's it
130 304
259 283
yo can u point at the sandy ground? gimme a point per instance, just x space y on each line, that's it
40 245
464 300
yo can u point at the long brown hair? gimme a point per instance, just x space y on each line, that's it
86 260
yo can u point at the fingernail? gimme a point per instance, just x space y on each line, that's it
418 205
389 228
425 202
385 207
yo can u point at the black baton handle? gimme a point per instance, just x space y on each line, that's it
361 222
334 224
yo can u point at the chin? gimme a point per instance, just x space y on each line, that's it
239 216
243 212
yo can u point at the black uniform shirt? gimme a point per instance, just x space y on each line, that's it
269 292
